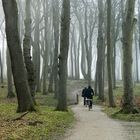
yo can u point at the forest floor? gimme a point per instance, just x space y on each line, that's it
95 124
89 125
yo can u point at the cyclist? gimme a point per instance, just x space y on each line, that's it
84 94
90 94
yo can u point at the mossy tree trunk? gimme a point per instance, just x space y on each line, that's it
128 27
25 102
10 91
64 47
27 50
109 55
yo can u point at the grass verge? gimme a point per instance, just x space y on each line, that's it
44 124
114 113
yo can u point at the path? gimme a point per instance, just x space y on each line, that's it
94 125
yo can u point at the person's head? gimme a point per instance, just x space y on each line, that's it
89 86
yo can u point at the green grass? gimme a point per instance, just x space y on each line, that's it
114 113
48 100
53 123
119 90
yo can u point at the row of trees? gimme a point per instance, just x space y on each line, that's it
97 29
24 77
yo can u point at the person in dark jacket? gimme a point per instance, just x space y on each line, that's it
84 95
89 94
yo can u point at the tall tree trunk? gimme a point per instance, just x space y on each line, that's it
10 93
110 89
71 56
45 58
128 27
64 47
25 102
113 43
51 78
78 61
137 62
100 49
36 49
27 50
56 17
86 46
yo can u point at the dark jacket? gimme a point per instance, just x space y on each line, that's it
84 92
89 93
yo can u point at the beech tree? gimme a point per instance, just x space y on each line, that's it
64 47
127 29
25 102
10 91
27 50
100 53
109 66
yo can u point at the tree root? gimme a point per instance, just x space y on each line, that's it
20 117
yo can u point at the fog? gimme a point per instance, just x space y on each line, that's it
77 33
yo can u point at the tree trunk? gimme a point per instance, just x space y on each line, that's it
100 49
137 63
56 16
9 77
128 27
27 50
64 47
45 57
71 56
110 89
36 49
25 102
51 78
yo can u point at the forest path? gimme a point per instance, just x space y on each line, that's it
94 125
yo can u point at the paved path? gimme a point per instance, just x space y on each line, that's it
94 125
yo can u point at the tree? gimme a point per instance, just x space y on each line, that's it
110 88
27 50
36 45
100 51
56 17
127 29
45 56
64 47
10 93
25 102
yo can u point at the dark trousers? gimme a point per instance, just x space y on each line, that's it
84 100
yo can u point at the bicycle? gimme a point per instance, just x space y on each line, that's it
89 103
